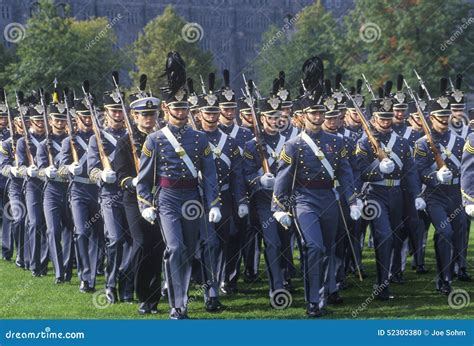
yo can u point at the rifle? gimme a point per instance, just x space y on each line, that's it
256 127
26 134
104 159
128 123
369 87
422 84
11 126
374 143
203 86
426 129
49 140
75 155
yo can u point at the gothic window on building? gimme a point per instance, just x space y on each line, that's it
6 12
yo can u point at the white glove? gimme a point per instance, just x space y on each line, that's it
470 210
32 171
360 204
243 210
108 176
135 181
215 215
74 169
444 175
149 214
267 180
283 218
420 203
355 212
386 166
14 171
51 172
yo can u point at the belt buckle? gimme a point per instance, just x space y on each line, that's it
217 152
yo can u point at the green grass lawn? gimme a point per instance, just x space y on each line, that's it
25 297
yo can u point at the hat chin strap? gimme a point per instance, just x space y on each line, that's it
439 120
209 122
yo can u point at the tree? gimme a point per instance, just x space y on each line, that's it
162 35
66 49
6 57
315 33
384 38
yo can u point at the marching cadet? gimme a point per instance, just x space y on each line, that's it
412 228
467 176
8 237
16 211
308 167
26 150
459 125
345 226
237 242
148 245
172 159
440 173
59 227
287 128
215 238
385 174
458 121
118 239
352 121
263 151
252 237
83 196
416 132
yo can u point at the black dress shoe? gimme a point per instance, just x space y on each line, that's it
335 299
144 308
313 310
287 285
127 300
227 288
35 273
20 264
420 270
8 259
213 305
397 278
463 275
178 314
59 281
250 276
85 288
111 295
445 288
384 295
153 308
